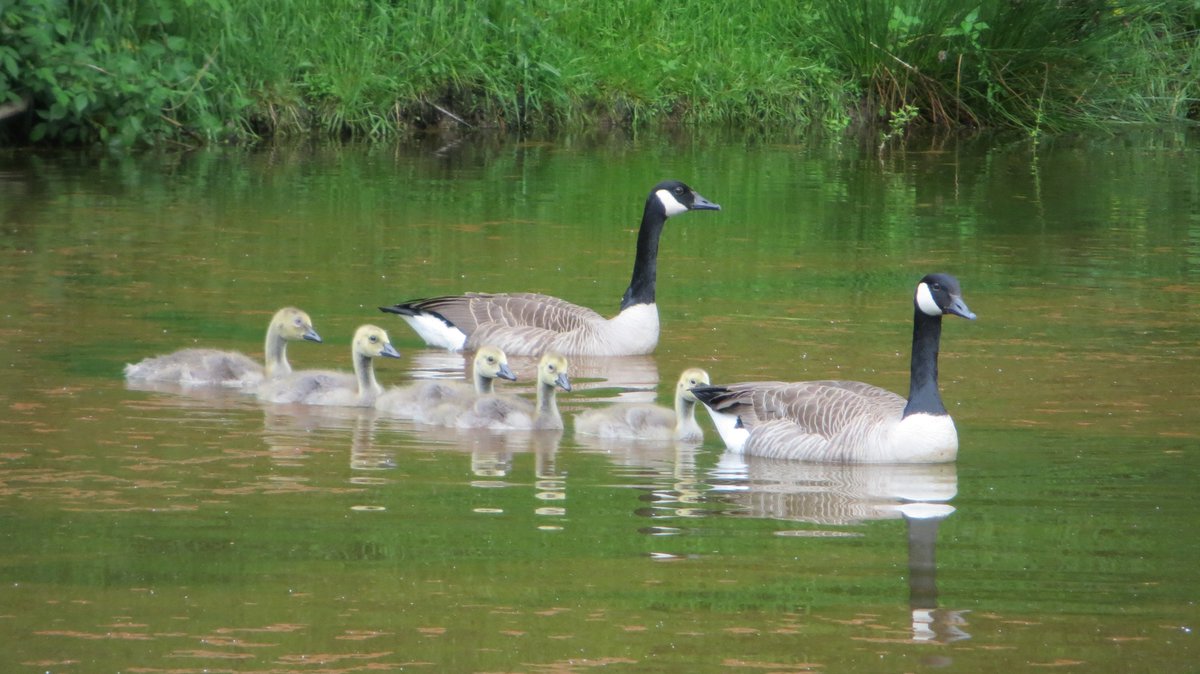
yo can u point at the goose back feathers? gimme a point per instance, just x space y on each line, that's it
846 421
531 323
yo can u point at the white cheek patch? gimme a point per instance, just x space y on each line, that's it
670 204
925 301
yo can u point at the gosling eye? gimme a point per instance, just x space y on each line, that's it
491 360
374 338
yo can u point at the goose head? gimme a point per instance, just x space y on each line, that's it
372 342
939 294
294 325
491 363
552 372
674 198
691 378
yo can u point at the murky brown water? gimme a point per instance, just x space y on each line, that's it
160 530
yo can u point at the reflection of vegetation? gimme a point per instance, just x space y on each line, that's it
129 71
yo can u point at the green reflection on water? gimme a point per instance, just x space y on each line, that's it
163 531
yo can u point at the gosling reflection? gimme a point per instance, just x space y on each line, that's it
848 494
292 432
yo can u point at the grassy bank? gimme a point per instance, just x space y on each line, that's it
194 71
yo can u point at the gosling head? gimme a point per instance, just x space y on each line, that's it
552 371
293 325
491 363
691 378
939 294
372 342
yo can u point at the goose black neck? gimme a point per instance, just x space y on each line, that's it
923 396
645 264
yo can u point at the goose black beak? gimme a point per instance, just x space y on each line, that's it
699 203
959 308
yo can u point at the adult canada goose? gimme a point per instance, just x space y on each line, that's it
426 401
649 422
509 412
526 324
848 421
200 367
329 387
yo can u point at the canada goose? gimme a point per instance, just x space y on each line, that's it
526 324
422 401
505 412
328 387
200 367
649 422
847 421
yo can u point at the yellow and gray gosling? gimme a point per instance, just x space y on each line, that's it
527 324
848 421
509 412
431 402
333 388
649 422
214 367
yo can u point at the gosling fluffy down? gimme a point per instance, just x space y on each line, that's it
432 402
651 423
509 412
214 367
333 388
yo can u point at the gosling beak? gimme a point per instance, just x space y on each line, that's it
563 381
506 373
389 351
312 336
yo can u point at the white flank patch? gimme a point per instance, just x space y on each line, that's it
435 332
634 331
925 301
670 203
727 426
924 438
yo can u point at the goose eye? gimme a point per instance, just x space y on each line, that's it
374 339
491 361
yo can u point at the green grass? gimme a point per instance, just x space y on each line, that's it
190 71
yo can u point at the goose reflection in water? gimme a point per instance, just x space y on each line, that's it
634 377
848 494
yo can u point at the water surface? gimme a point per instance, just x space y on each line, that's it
168 530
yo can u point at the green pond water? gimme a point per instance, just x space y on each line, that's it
203 531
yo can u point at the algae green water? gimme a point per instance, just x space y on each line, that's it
187 531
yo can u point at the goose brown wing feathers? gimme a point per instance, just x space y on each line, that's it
822 408
468 312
